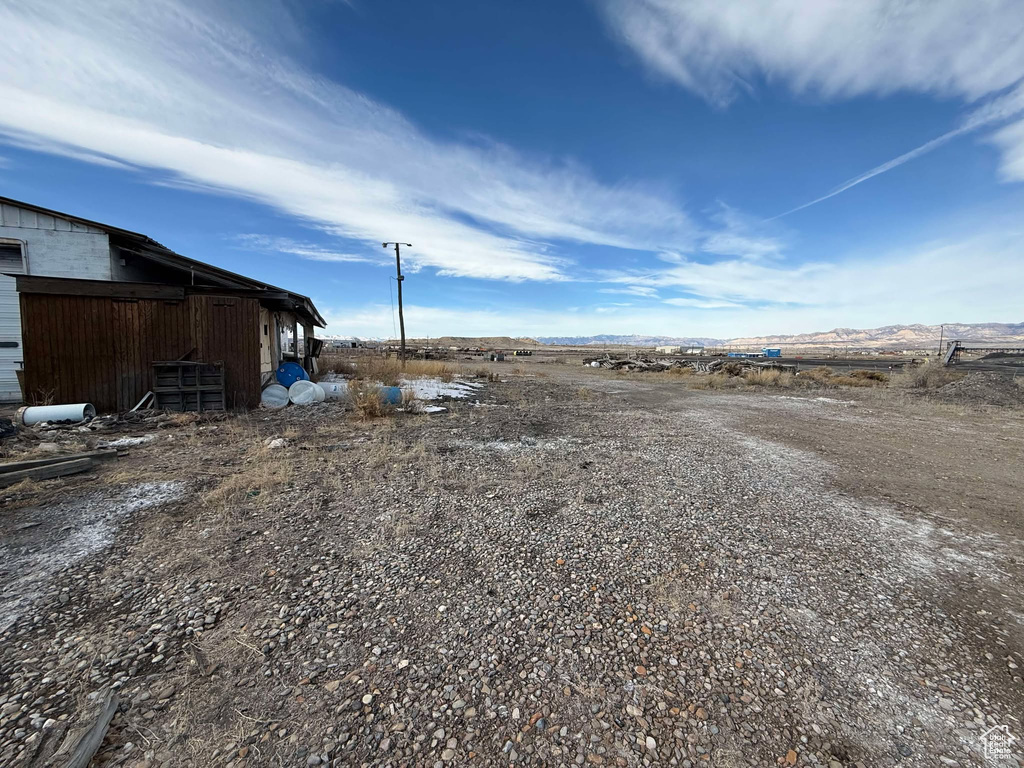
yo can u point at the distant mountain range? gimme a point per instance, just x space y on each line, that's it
888 337
631 341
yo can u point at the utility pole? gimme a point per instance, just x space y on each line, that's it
401 277
942 330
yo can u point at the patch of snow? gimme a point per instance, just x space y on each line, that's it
522 445
127 442
417 406
67 532
816 400
435 389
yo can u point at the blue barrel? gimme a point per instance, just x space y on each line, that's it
289 373
391 395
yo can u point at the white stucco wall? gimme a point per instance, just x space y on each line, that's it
56 247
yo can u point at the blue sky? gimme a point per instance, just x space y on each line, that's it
572 168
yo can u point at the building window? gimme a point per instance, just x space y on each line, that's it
11 256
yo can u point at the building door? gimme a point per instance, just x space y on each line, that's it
11 262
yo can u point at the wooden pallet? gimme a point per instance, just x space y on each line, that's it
184 385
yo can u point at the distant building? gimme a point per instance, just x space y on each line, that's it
771 351
694 351
668 350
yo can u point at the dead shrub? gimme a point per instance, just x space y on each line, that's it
878 376
181 419
336 364
732 368
367 400
584 393
389 372
684 370
852 381
436 369
928 376
709 381
769 377
821 375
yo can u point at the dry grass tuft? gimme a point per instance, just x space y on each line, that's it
769 377
27 486
483 373
585 393
827 377
853 381
931 375
681 371
335 364
710 381
182 419
265 473
878 376
388 370
821 375
368 400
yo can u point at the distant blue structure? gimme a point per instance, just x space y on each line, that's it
771 352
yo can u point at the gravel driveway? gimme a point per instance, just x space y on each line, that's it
576 570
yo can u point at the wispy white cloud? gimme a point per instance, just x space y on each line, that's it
171 85
740 235
981 264
891 288
936 283
833 48
632 290
681 301
310 251
15 139
1011 141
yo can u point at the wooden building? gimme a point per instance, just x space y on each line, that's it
91 333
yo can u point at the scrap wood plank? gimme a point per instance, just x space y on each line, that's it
46 471
15 466
85 737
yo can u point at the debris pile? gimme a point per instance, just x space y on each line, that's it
984 389
650 365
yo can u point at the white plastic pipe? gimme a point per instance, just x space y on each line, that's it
74 412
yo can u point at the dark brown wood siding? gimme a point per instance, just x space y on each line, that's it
100 350
227 329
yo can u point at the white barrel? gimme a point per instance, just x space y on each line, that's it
335 390
321 395
274 397
39 413
303 392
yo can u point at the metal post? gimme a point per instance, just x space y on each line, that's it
942 329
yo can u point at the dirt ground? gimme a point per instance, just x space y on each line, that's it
574 568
